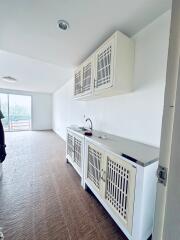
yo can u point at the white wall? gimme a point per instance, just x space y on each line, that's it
41 111
41 108
137 115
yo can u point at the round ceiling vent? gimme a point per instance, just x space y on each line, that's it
63 25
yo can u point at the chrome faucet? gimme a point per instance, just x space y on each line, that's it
88 119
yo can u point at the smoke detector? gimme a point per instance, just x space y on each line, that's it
63 25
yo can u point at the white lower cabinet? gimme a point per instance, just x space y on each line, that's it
126 190
70 147
75 151
94 168
119 178
114 180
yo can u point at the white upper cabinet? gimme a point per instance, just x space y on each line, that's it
83 78
104 63
87 76
109 70
78 82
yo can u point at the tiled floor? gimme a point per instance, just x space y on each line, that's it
41 197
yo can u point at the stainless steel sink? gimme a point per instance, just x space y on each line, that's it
83 128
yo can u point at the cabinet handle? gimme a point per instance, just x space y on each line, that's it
95 82
73 149
103 175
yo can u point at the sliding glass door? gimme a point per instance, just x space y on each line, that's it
4 99
17 112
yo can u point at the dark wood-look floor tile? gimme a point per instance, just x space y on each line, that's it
41 197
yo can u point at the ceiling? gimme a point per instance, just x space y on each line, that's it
29 27
32 75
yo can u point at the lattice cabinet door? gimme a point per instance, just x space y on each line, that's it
78 145
70 146
87 76
104 66
78 82
120 188
94 166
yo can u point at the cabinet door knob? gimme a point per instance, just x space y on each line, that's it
103 175
95 82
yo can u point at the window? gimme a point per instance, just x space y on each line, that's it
17 112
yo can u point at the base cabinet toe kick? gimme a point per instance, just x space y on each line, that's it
125 188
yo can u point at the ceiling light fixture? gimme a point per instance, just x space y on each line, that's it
63 25
9 79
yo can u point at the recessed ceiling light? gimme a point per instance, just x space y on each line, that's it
63 25
9 79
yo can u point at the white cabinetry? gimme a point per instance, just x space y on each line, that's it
83 79
122 175
119 178
75 151
87 76
125 189
104 65
70 146
94 167
108 71
114 180
78 82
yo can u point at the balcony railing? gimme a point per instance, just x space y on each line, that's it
18 125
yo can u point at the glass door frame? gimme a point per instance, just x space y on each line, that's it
8 118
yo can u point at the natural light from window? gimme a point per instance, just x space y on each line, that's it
17 112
